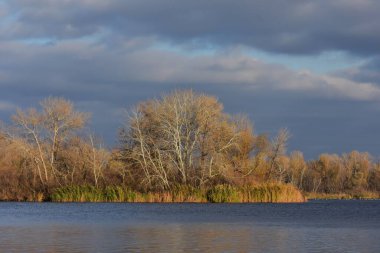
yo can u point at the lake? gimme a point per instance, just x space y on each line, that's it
316 226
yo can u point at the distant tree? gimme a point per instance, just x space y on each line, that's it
43 133
330 173
297 169
374 178
357 166
180 140
278 150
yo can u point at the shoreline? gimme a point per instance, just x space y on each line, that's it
188 202
343 196
266 193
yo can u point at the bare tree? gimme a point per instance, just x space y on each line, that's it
297 168
357 166
181 138
278 149
46 131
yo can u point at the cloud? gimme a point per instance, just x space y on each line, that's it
89 70
282 26
369 72
108 55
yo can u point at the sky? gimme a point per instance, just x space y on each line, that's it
312 67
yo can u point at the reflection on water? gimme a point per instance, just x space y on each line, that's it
325 226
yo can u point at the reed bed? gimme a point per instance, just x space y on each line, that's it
266 193
332 196
22 196
219 194
122 194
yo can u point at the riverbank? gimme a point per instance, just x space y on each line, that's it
268 193
343 196
264 193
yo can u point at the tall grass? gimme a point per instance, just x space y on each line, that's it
274 193
21 195
353 195
78 194
121 194
217 194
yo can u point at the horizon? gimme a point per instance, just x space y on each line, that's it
311 67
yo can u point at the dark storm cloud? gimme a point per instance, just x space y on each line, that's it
106 56
104 81
286 26
89 70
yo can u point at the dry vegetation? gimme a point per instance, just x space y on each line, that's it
181 147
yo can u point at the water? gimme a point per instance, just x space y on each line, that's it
316 226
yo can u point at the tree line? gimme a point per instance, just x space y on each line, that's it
180 139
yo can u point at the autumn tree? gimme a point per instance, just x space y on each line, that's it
374 178
277 163
84 161
330 173
183 138
43 133
357 166
297 168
